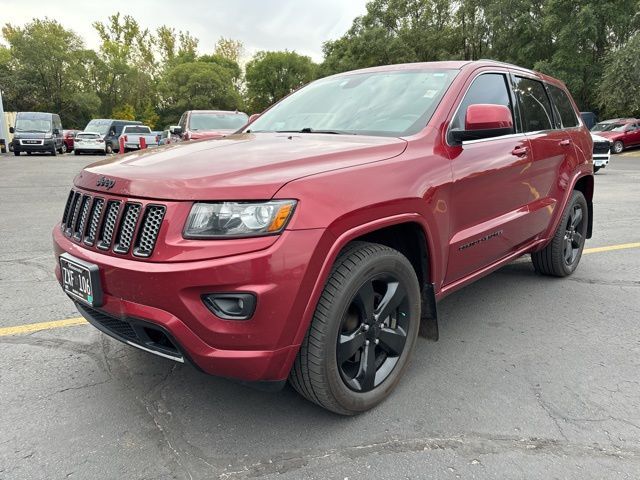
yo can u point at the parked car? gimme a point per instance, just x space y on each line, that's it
622 133
110 129
132 134
168 136
589 119
68 137
315 243
90 142
37 132
601 152
200 124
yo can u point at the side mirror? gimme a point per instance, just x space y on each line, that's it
12 130
56 131
175 130
484 121
112 133
253 118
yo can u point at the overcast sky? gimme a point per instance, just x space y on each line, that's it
300 25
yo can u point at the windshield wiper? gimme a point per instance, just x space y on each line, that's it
313 130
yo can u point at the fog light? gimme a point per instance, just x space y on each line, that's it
231 306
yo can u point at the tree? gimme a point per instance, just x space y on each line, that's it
619 91
197 86
175 47
273 75
45 71
127 64
229 49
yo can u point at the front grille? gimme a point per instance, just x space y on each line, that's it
111 224
600 147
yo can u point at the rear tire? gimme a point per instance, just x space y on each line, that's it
63 149
54 152
109 148
618 147
595 169
362 333
562 255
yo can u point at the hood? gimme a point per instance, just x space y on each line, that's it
245 166
598 138
201 134
610 135
30 135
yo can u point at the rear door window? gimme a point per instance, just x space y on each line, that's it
488 88
563 110
535 107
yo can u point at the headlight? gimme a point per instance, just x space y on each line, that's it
48 135
238 219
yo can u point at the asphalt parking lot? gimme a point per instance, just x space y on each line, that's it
532 378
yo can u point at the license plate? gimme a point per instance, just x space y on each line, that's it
81 280
31 142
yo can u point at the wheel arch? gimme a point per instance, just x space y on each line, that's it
585 185
382 231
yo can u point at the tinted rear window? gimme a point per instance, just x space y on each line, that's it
86 136
535 105
137 130
563 109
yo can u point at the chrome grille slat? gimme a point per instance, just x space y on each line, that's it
109 224
127 227
148 234
73 214
96 212
81 223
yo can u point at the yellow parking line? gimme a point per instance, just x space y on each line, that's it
622 246
69 322
35 327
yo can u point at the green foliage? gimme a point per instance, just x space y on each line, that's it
619 91
273 75
124 112
567 39
197 85
229 49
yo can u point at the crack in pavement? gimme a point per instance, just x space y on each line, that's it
475 445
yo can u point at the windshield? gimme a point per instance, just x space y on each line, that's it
33 123
609 127
98 126
217 121
389 103
136 129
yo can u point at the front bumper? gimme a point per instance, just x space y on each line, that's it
168 295
47 145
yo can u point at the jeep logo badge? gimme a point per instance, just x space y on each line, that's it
105 182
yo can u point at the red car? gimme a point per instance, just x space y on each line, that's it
68 137
315 244
209 124
621 132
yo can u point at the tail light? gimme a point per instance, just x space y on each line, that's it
157 138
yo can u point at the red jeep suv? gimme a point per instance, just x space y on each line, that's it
314 244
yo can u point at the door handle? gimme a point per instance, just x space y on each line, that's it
566 142
520 151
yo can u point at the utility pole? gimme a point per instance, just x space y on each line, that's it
4 134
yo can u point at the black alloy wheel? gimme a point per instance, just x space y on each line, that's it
363 330
373 333
574 234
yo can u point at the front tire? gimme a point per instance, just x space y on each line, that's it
16 153
363 331
561 257
63 149
109 148
618 146
76 152
595 169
